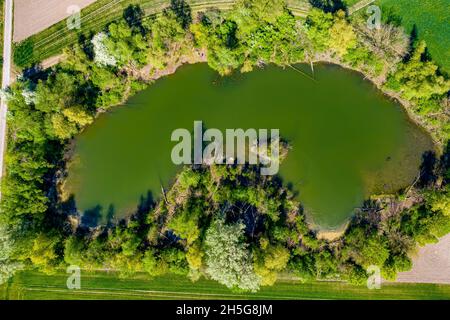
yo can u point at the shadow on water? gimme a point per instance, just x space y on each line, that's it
110 216
146 203
91 217
413 42
428 174
35 73
430 169
391 16
414 35
98 216
367 216
134 15
69 206
183 12
426 55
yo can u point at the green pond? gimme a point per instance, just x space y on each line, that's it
348 140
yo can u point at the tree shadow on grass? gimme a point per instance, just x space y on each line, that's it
98 216
183 12
69 206
444 164
133 15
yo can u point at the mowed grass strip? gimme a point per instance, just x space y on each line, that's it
31 285
432 20
95 17
2 18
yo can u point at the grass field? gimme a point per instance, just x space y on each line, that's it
101 285
51 41
432 19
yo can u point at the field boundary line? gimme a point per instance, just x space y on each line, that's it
6 80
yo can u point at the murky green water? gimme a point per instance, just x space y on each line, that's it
348 140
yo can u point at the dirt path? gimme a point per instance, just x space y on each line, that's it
431 264
359 5
32 16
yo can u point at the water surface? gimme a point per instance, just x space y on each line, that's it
348 140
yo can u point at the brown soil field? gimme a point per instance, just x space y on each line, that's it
431 264
33 16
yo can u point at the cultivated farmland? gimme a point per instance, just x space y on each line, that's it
32 16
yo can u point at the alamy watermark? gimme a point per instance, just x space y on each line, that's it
374 21
250 146
74 20
74 280
374 279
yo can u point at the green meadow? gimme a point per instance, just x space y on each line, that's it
432 20
106 285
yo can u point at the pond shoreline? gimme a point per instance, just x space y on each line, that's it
323 233
200 56
378 82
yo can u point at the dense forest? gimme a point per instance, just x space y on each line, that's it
227 223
